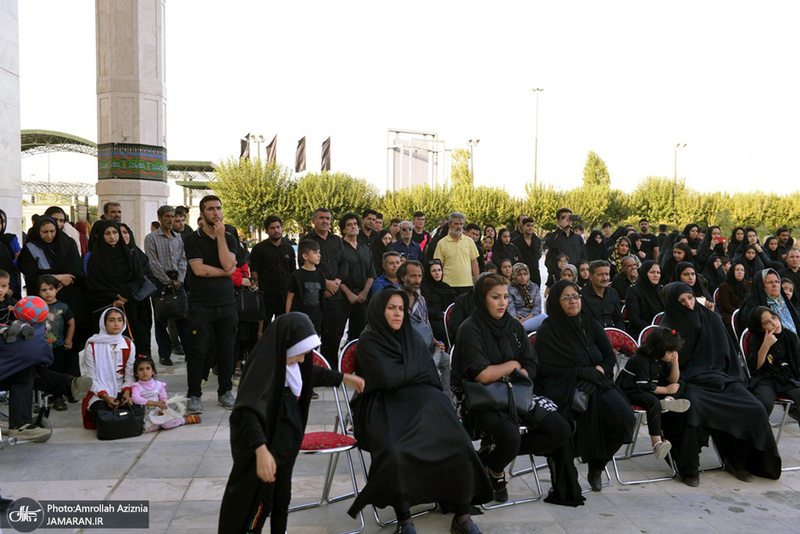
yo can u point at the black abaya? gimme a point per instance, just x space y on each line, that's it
419 450
643 301
721 405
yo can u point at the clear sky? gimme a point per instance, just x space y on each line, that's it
628 80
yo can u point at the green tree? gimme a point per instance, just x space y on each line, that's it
435 202
460 172
484 205
591 202
252 189
595 171
337 191
541 203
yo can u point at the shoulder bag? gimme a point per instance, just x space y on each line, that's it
250 305
512 394
170 305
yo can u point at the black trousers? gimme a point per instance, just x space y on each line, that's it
332 329
357 314
221 322
20 388
653 406
769 389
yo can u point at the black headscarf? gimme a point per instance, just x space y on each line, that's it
698 289
241 251
668 262
441 288
633 238
5 239
595 250
499 328
669 242
264 375
758 297
378 248
650 293
733 243
713 275
7 254
111 270
138 254
751 267
773 255
741 288
693 243
569 330
387 358
708 355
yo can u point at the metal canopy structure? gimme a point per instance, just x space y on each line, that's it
43 141
69 189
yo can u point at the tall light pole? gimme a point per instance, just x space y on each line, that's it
472 143
679 146
536 142
260 139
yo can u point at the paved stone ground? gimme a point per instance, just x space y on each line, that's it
182 472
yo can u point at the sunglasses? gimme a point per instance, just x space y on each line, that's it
435 262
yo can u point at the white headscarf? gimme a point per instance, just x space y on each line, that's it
294 379
104 361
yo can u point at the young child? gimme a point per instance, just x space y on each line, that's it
307 285
147 391
490 267
60 328
788 288
650 379
11 328
562 260
268 422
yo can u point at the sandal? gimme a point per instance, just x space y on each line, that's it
191 419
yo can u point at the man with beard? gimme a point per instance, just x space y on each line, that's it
649 242
272 262
211 256
459 256
360 275
368 233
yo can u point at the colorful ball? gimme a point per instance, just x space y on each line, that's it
31 310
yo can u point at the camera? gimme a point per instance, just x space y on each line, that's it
574 218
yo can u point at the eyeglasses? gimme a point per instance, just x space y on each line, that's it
435 262
405 228
566 298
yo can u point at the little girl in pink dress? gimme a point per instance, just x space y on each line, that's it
147 391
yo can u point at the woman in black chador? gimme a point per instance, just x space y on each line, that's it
268 422
420 452
721 405
575 354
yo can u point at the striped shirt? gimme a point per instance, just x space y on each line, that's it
165 254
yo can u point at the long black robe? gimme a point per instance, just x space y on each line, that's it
438 296
260 395
7 256
715 384
140 313
566 344
420 452
643 301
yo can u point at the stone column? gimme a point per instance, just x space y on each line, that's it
10 152
131 109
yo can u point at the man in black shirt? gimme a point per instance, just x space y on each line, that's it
518 226
211 255
272 262
334 267
563 241
360 275
662 235
600 300
368 235
530 249
649 242
420 235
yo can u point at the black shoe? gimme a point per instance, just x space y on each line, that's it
314 395
595 479
178 350
742 474
498 486
165 361
468 527
794 413
691 480
407 528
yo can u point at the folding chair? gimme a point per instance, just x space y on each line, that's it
347 364
646 331
333 444
447 314
786 403
716 298
624 345
41 403
658 317
734 324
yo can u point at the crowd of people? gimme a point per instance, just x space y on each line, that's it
390 289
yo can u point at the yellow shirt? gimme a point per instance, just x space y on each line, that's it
456 259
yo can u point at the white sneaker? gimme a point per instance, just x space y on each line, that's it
661 449
675 405
30 433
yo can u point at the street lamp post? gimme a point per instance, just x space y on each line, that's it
472 143
679 146
536 142
260 139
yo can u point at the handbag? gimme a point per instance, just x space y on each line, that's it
250 305
580 402
148 289
120 422
170 305
512 394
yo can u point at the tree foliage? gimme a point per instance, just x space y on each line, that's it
337 191
461 171
595 171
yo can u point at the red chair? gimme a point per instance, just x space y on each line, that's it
447 314
786 403
646 332
532 337
658 317
332 443
347 364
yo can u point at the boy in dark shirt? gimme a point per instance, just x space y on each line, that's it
10 327
307 285
60 329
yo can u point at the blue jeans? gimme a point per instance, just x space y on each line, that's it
221 322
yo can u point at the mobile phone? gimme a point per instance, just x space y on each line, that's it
574 218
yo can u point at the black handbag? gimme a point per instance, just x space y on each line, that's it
512 394
148 289
250 305
580 402
120 422
170 305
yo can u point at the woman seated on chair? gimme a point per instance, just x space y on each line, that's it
721 405
643 300
268 422
575 355
491 345
438 296
420 452
767 291
686 273
524 300
732 293
773 359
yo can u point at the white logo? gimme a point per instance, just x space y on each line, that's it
25 515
